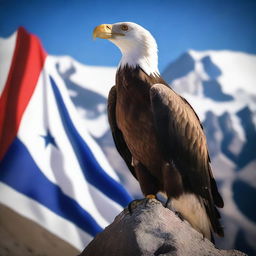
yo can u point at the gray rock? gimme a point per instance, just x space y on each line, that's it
151 229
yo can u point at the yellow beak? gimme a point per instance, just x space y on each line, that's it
103 31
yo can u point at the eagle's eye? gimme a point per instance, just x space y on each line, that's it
124 27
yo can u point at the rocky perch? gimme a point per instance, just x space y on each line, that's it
151 229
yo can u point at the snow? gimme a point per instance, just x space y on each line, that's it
248 174
202 105
96 78
238 69
97 126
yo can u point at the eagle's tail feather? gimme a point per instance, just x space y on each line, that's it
192 208
214 214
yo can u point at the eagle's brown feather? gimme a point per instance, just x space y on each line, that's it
185 144
116 133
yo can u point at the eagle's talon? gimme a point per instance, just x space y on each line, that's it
148 198
151 196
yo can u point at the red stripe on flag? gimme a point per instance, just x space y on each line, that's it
27 64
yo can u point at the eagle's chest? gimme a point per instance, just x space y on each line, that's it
135 120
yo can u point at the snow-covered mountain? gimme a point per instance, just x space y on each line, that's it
220 85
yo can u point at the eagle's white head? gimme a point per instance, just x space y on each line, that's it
137 45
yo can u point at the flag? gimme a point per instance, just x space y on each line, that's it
51 170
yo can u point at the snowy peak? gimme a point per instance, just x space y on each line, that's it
179 68
212 89
218 75
212 70
238 69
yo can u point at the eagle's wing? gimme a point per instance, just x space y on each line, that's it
116 133
183 141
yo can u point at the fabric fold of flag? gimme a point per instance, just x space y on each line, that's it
51 169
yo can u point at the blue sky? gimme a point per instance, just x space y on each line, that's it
65 27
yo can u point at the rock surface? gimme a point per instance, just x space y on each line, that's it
151 229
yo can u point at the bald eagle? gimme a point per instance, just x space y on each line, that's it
158 133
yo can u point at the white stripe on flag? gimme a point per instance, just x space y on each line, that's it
7 47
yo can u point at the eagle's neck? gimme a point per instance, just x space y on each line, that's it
143 55
135 77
